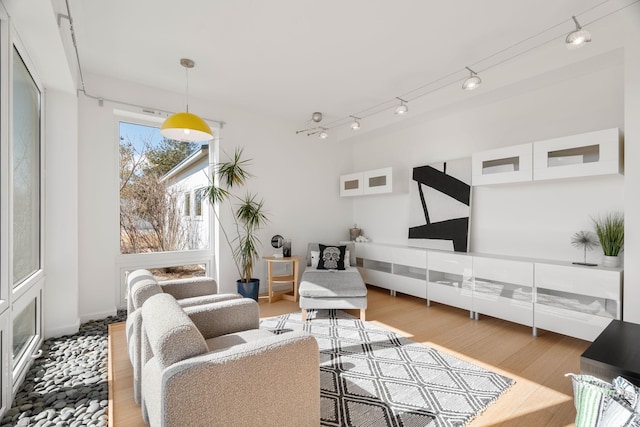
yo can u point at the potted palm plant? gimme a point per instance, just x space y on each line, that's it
610 231
248 217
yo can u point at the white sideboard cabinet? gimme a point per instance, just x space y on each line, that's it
450 279
575 300
503 288
396 268
561 297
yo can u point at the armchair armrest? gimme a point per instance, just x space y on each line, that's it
225 317
190 287
273 381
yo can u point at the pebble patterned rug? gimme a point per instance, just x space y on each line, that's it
370 376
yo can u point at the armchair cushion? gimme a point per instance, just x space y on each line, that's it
190 287
225 317
172 335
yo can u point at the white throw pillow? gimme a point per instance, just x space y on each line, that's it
347 259
315 256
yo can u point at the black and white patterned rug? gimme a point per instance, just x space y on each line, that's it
370 376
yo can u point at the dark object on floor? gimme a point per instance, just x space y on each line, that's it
614 353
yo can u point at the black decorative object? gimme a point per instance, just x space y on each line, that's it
286 248
587 240
442 186
276 241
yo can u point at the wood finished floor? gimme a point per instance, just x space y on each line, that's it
542 396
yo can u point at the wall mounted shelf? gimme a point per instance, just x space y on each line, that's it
502 165
378 181
587 154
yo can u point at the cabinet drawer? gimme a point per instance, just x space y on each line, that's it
409 257
579 280
579 325
409 286
455 294
450 263
506 271
504 308
374 252
378 278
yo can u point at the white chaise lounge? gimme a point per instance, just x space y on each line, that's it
332 289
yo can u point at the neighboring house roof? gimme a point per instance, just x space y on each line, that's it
189 161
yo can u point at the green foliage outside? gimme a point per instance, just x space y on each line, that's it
167 155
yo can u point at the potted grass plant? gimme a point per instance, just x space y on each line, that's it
248 217
610 232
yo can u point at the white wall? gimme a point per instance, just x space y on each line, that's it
296 177
60 308
632 176
532 219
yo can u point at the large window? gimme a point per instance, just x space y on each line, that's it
157 179
26 172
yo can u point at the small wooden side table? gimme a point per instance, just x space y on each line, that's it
292 278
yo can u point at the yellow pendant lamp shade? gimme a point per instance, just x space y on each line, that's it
186 127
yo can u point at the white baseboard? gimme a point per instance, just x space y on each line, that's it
62 330
97 316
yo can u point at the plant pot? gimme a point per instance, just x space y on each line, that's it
249 289
610 261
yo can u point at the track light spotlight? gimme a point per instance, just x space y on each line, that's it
355 125
402 108
472 82
323 134
578 37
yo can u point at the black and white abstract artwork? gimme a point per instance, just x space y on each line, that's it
440 205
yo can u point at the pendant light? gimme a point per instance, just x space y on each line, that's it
578 37
472 82
185 126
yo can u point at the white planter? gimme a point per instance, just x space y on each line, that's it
610 261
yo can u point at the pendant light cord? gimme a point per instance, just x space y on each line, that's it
186 70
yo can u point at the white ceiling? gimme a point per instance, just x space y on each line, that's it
288 58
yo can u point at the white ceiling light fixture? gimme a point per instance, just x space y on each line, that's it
472 82
402 108
185 126
355 125
578 37
316 117
323 134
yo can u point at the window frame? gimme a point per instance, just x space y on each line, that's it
186 204
128 262
32 286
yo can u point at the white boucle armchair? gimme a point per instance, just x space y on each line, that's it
217 368
141 285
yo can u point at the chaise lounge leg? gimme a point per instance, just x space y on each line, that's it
304 315
362 316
